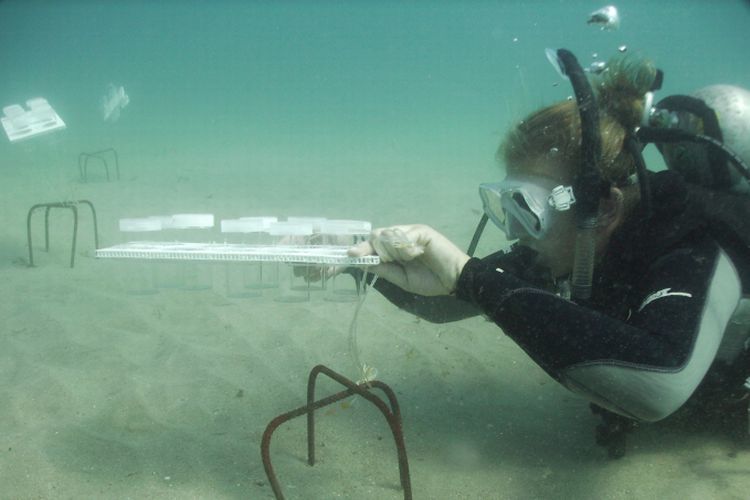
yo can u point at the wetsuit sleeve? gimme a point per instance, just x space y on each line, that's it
644 366
438 309
444 309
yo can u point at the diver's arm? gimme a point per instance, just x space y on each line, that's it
437 309
645 367
447 308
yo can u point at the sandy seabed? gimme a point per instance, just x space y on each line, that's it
111 395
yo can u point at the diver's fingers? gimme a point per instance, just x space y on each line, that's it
393 244
361 250
375 245
403 245
391 272
384 249
390 244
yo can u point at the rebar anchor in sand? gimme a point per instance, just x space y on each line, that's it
392 415
71 205
84 158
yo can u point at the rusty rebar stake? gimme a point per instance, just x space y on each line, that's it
83 163
71 205
392 416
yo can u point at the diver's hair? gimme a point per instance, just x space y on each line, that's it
621 87
548 141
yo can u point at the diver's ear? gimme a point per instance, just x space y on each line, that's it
611 210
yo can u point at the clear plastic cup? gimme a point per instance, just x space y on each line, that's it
137 276
196 229
266 275
295 280
315 275
169 273
140 229
316 223
343 285
344 232
192 228
260 236
246 279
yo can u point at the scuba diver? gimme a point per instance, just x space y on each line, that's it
629 287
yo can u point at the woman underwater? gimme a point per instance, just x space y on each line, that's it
669 270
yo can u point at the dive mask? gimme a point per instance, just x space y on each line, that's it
524 205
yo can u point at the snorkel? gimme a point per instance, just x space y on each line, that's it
588 184
477 234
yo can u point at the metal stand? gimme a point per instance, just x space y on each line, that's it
392 415
71 205
83 162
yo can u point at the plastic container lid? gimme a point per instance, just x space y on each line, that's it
266 221
188 221
140 225
38 103
164 220
289 228
346 227
316 222
245 225
14 111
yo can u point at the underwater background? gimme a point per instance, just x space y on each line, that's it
386 111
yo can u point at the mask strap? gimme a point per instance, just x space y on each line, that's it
477 234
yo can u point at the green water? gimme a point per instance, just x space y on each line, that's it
298 90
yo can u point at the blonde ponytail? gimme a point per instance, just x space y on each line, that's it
549 140
621 88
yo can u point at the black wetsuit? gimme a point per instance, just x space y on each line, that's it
664 296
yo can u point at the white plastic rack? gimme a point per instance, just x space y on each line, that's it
224 252
21 123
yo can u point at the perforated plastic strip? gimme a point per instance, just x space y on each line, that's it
222 252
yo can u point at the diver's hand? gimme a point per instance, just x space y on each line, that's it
415 257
